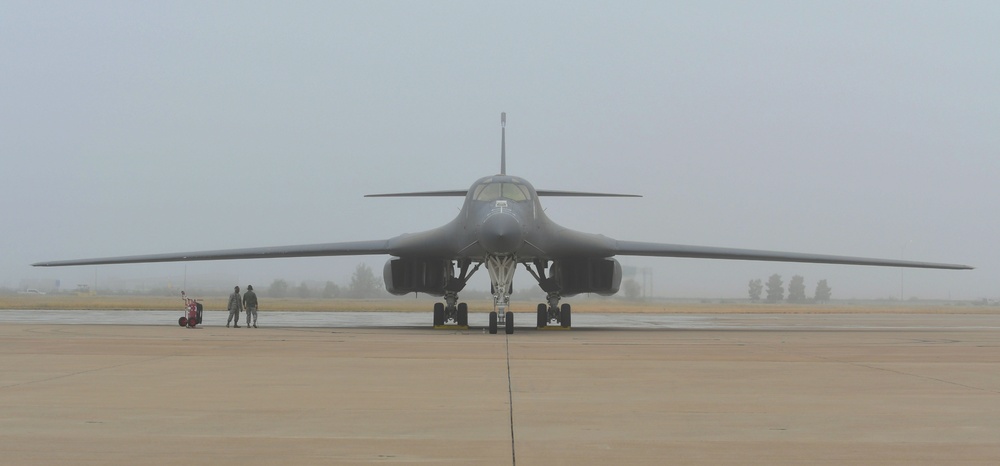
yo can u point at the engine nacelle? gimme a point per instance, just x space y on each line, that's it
407 275
588 275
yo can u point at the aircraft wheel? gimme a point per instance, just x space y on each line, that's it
183 321
438 314
463 314
199 311
565 315
543 315
508 324
493 323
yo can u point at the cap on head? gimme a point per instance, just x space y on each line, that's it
236 288
249 287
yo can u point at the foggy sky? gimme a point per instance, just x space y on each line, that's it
851 128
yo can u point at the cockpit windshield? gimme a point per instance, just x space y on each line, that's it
494 191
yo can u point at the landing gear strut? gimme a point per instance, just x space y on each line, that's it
451 313
501 269
551 312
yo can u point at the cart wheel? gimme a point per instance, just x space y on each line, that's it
183 321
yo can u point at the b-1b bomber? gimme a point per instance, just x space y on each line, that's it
501 225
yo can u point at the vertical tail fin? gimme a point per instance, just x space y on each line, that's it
503 143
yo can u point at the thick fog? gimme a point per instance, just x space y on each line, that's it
849 128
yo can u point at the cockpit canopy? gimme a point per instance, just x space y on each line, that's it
491 191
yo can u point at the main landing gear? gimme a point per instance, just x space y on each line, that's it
562 315
447 316
551 313
452 314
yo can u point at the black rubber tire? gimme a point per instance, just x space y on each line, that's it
543 316
508 324
463 314
199 311
565 316
183 321
438 314
493 323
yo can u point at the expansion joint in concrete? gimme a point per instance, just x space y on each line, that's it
510 401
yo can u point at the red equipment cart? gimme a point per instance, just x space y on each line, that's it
192 312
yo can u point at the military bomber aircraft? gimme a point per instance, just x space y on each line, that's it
500 225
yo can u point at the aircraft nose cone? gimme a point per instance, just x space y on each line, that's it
501 234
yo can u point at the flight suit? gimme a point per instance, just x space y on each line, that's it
250 304
235 306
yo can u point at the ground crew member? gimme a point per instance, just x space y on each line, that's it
250 304
235 306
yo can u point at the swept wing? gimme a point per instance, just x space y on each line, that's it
354 248
636 248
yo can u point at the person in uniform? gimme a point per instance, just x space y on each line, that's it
235 306
250 304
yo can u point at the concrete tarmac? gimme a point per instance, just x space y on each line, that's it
829 389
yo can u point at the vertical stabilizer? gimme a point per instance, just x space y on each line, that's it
503 143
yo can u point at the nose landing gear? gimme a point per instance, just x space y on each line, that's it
501 269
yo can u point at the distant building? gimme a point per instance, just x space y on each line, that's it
48 286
